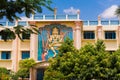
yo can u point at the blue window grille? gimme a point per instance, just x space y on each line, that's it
25 54
114 22
89 35
11 23
93 22
110 35
72 16
85 22
2 23
38 17
105 22
60 16
23 23
6 55
50 17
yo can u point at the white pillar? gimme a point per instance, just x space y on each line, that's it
99 21
15 46
78 34
99 32
33 74
118 37
34 46
74 36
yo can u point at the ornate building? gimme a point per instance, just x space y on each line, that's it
54 29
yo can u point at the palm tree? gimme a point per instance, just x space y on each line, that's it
22 6
27 7
9 34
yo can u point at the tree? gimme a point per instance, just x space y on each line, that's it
4 74
118 12
28 7
25 66
22 6
61 67
90 62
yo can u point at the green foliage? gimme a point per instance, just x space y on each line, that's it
23 73
90 62
67 46
25 66
27 7
8 34
26 63
61 67
13 75
4 74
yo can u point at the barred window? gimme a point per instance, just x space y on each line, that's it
89 35
25 54
110 35
6 55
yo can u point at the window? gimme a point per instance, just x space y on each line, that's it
110 35
4 36
89 35
6 55
25 54
25 36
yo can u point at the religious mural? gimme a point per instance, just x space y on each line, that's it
50 39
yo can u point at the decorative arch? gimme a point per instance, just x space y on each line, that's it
50 38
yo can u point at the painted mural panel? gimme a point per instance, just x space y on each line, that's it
50 39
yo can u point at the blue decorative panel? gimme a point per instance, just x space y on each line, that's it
50 38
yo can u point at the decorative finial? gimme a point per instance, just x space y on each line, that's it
55 11
78 11
99 18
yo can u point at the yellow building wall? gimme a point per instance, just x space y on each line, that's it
6 63
25 45
111 45
68 24
84 42
5 46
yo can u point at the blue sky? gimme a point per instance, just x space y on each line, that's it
89 9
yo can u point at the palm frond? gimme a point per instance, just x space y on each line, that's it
7 34
118 11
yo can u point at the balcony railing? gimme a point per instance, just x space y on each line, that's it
61 18
55 17
107 22
41 18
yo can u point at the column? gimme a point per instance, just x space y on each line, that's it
15 50
99 32
78 34
118 36
33 74
99 29
74 36
34 46
33 42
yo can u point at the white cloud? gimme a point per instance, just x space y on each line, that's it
109 12
71 10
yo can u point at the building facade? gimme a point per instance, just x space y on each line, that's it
54 29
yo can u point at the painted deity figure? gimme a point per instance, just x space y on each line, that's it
53 40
